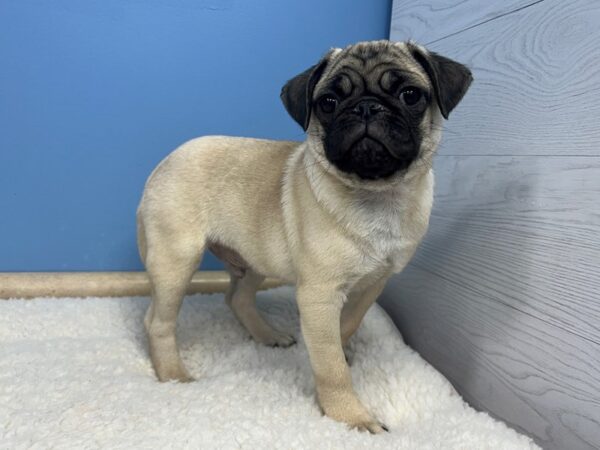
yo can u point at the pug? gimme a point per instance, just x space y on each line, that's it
336 215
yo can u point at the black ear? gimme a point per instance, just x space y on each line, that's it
450 79
297 93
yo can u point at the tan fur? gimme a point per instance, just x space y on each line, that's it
289 214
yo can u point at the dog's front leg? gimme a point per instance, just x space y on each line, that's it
320 309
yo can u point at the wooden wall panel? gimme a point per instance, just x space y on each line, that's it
503 296
430 21
537 82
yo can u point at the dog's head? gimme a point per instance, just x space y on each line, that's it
372 110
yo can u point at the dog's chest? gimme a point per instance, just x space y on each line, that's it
390 227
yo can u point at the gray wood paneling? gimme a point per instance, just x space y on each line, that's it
535 377
537 82
428 21
529 228
503 296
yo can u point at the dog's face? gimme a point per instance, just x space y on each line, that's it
372 110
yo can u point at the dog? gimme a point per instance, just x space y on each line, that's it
336 215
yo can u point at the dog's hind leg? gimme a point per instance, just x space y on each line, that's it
356 307
241 297
171 260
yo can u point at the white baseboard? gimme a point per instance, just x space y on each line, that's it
102 284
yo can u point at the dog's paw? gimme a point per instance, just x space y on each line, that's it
281 340
372 426
275 339
350 411
174 374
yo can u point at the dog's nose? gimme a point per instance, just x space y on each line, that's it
368 108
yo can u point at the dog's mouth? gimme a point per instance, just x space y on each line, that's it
369 158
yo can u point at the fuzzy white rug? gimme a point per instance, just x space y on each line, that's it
74 373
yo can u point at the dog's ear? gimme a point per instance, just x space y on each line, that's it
297 93
450 79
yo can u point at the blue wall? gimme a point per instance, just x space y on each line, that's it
93 94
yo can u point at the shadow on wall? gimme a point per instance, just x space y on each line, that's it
468 299
446 292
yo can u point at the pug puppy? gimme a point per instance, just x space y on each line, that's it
335 215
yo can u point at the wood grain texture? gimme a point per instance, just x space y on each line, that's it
538 379
504 293
532 225
537 83
429 21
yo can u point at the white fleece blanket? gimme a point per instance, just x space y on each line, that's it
75 373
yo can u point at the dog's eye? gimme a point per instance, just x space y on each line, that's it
411 95
328 103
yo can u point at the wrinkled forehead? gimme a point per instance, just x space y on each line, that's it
370 66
